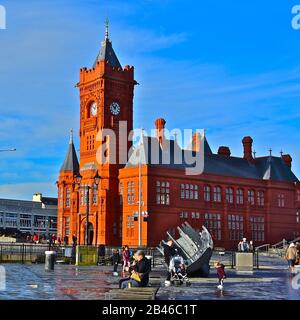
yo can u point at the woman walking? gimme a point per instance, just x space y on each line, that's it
126 259
291 256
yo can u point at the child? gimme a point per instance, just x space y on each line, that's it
221 273
116 260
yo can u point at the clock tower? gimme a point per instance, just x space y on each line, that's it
106 98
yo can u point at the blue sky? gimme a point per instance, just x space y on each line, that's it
231 67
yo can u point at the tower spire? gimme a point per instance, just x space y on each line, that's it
106 29
71 136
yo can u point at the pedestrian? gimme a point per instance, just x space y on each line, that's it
141 269
240 246
251 246
291 256
220 273
169 253
126 258
66 240
116 261
74 240
35 239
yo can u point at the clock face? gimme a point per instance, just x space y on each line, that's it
115 108
94 109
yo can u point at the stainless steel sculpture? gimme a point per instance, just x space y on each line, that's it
195 247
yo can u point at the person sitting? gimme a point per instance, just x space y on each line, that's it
140 271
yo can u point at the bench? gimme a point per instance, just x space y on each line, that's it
134 293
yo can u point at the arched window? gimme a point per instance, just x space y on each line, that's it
239 196
251 197
207 195
217 194
260 198
229 195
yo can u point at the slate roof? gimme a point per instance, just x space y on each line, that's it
49 201
107 54
71 161
264 168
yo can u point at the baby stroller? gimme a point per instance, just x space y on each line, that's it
178 271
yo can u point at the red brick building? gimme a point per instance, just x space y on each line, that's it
253 197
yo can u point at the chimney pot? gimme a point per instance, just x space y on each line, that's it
287 159
247 143
224 151
160 127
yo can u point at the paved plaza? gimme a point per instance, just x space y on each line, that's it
68 282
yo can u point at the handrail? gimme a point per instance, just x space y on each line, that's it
280 244
267 246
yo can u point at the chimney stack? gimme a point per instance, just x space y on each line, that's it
247 142
288 160
160 128
224 151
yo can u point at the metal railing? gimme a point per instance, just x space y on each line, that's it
35 253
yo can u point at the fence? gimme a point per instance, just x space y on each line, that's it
35 253
25 252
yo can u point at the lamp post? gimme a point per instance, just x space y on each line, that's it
78 179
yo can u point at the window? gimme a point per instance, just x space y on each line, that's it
235 227
68 197
239 196
163 193
281 200
189 191
183 215
207 193
260 198
251 197
1 218
217 194
121 190
60 196
11 220
257 225
229 195
130 192
298 195
95 194
195 215
83 194
40 222
213 224
67 226
52 222
297 217
25 221
90 142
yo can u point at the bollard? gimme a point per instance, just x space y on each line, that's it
49 260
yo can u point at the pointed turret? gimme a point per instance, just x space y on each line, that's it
71 161
107 52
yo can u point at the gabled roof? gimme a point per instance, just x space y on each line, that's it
71 161
265 168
